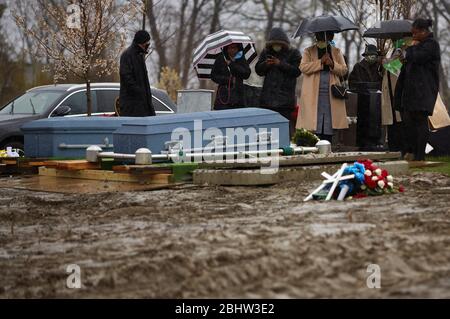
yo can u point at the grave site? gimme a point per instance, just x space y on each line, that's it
219 219
224 158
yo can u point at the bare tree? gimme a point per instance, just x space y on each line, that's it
6 65
81 47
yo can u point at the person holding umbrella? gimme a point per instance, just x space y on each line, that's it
417 88
229 71
398 31
322 66
279 65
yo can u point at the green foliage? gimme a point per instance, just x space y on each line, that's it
303 137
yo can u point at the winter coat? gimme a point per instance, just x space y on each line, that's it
231 90
135 92
365 72
311 67
418 84
387 101
280 81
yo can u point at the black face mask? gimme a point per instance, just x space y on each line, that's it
146 48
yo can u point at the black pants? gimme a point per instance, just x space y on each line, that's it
328 138
395 136
415 133
368 127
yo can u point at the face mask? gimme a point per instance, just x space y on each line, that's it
332 43
321 44
277 48
371 59
239 55
408 41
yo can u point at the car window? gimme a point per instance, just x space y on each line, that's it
78 103
31 103
106 100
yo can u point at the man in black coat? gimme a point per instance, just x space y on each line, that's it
135 92
229 72
417 88
279 63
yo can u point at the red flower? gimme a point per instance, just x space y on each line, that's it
367 163
369 182
401 189
384 173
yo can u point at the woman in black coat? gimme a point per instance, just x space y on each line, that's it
417 88
229 72
279 64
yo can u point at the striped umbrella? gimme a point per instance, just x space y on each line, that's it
206 53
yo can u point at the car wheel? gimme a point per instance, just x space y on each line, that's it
15 145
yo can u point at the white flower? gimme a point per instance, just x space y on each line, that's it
368 173
374 178
378 172
363 187
390 178
381 184
391 185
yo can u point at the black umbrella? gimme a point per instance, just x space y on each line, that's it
390 29
323 24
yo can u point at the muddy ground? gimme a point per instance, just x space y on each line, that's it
227 242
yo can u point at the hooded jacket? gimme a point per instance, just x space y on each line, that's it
279 80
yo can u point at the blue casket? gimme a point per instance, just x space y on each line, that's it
68 137
196 130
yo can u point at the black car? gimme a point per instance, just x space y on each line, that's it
65 100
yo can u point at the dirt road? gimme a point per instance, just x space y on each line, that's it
227 242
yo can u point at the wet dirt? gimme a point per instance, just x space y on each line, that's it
227 242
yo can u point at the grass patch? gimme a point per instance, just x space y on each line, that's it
444 169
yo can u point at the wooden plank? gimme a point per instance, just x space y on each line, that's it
51 163
142 169
37 163
9 162
76 165
106 176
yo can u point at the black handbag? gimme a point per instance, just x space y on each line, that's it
339 91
